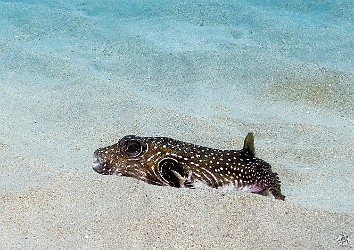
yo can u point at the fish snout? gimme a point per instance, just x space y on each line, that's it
98 164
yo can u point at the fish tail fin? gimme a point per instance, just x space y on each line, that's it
249 143
275 188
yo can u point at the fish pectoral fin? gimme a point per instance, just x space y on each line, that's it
184 182
249 143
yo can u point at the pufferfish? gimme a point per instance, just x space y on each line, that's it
167 162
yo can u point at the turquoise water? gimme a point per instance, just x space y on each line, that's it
75 76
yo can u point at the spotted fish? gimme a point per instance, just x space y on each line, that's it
168 162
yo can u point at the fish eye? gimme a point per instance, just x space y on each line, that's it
133 148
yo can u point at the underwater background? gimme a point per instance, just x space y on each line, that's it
79 75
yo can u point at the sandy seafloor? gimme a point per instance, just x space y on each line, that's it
78 75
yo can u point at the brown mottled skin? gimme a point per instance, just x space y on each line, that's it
168 162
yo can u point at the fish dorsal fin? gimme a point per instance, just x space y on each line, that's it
249 144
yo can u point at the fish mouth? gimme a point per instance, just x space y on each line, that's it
98 165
